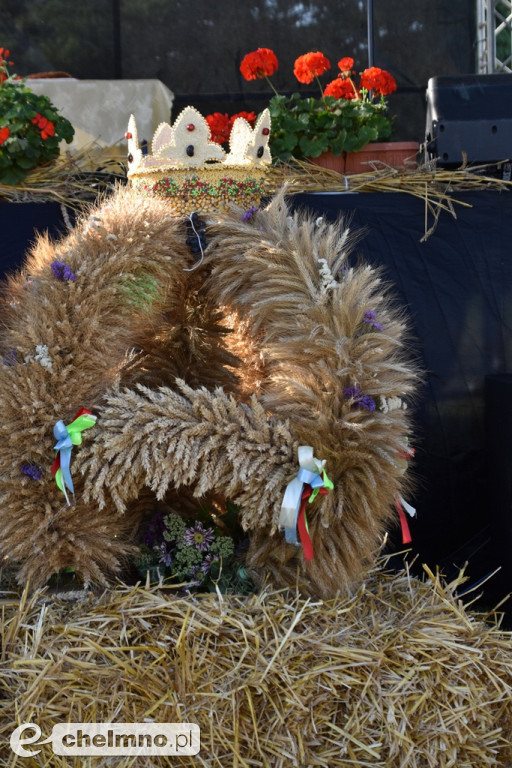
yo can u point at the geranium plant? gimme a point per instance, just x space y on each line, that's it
221 124
31 129
350 112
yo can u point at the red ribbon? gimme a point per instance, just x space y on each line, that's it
302 525
406 534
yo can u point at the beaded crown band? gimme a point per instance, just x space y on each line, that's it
196 174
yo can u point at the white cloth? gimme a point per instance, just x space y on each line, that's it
99 110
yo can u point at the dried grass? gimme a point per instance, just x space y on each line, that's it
398 675
72 180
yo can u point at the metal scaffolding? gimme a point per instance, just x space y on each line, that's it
494 35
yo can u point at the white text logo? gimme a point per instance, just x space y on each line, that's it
90 739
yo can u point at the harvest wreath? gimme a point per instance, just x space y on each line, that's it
204 383
268 372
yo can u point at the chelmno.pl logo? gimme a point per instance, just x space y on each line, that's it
90 739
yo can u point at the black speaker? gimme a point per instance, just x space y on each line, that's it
498 513
469 116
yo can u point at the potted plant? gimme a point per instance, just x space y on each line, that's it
31 129
345 118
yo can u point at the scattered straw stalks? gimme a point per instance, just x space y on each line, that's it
437 187
72 180
399 675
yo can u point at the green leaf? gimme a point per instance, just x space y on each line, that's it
25 162
12 176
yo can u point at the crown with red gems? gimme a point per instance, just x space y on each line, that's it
195 174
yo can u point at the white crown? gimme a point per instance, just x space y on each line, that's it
186 144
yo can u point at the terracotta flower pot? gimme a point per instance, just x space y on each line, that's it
392 153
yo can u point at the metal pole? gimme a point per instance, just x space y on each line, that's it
481 37
369 20
491 36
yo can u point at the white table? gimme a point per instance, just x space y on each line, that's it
99 109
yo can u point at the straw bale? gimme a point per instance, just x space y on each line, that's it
398 674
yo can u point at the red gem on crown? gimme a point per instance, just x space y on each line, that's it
265 131
128 135
191 127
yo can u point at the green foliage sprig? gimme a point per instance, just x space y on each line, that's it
31 128
195 552
308 127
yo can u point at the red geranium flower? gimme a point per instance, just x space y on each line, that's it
309 66
346 64
378 80
220 127
46 127
48 130
4 53
37 120
221 124
259 64
249 116
341 88
4 133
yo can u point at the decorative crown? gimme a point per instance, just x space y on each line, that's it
193 172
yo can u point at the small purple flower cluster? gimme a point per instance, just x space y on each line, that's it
360 401
32 470
62 271
370 318
248 215
10 358
165 554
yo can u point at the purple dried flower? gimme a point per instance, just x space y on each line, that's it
32 470
10 358
199 537
207 562
62 271
367 402
360 401
249 213
165 554
352 393
370 317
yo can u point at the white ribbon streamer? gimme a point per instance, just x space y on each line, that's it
410 510
310 472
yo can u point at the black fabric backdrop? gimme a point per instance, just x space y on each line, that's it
20 224
457 289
